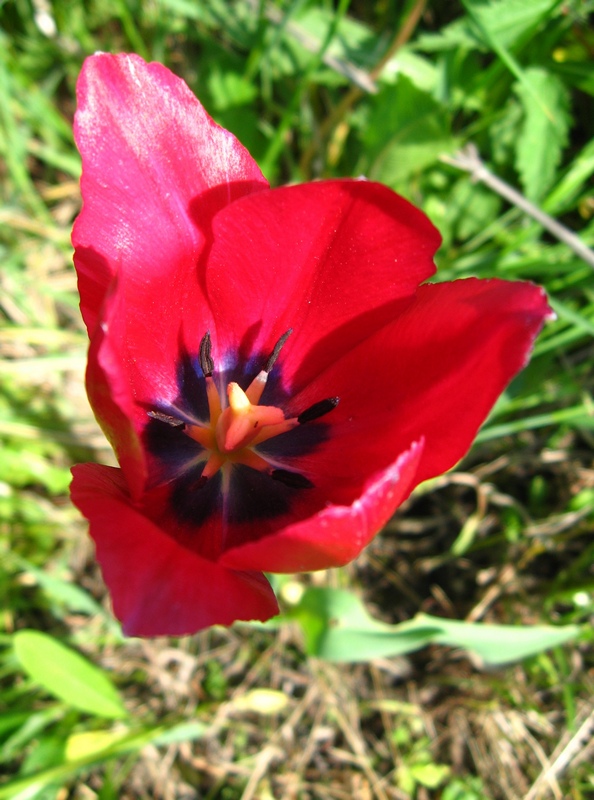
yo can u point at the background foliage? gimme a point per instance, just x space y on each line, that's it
392 90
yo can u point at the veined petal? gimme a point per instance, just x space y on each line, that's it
156 168
336 534
110 392
157 586
434 372
328 259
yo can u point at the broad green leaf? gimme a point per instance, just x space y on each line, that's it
230 89
338 628
495 41
499 644
418 69
353 41
509 21
544 130
66 675
407 132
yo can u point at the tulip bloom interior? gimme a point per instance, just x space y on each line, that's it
271 366
234 466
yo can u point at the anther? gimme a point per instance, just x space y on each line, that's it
256 388
173 422
206 362
292 479
318 410
276 352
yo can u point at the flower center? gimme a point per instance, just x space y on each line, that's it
237 425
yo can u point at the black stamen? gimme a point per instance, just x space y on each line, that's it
276 352
174 422
206 362
292 479
318 410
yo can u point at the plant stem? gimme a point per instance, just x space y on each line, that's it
468 159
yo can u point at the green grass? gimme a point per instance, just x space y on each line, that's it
313 90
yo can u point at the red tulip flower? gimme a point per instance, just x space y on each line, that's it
272 371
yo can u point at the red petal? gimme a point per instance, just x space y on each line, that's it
327 259
435 373
156 168
110 395
337 534
158 587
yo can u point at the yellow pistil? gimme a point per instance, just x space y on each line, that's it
241 422
234 429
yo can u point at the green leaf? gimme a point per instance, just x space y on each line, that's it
89 748
573 182
544 131
21 467
65 594
470 208
338 628
575 73
14 719
499 644
230 89
407 132
66 675
353 41
432 776
32 728
509 21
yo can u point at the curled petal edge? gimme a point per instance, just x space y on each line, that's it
337 534
138 127
158 587
109 391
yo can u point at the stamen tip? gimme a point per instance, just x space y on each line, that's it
173 422
294 480
276 352
206 361
318 410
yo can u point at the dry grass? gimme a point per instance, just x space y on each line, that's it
283 726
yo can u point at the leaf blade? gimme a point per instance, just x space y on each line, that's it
65 674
